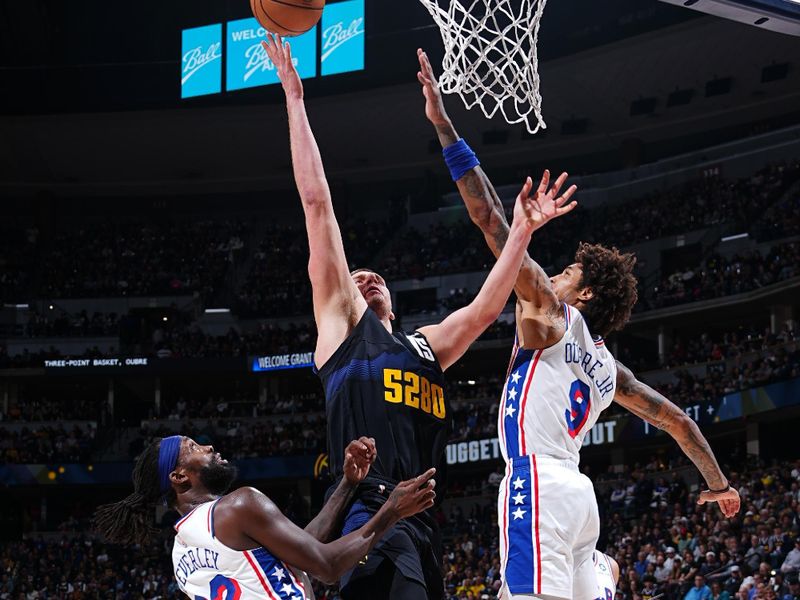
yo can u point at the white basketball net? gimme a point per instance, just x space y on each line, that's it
490 56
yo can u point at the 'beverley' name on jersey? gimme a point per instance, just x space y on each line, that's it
193 559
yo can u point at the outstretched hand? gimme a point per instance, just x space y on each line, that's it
358 458
434 106
729 501
534 211
413 495
280 53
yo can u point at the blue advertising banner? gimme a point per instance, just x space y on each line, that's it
248 63
276 362
201 60
342 37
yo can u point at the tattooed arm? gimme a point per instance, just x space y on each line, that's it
484 206
648 404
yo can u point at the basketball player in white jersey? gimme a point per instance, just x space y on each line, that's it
239 545
561 377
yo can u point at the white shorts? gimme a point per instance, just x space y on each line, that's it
549 525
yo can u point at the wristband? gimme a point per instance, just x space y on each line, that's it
459 158
720 491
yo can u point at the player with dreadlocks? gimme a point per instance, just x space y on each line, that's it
239 543
561 377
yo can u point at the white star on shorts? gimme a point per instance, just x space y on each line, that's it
515 377
518 514
510 410
518 483
519 498
287 589
512 393
279 574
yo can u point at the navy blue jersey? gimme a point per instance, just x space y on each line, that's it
388 386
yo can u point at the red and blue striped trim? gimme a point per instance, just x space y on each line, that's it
180 523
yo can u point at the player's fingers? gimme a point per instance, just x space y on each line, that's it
564 198
565 209
426 64
288 50
559 182
525 192
544 182
419 480
427 498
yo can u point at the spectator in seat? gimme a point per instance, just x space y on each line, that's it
792 562
700 591
717 593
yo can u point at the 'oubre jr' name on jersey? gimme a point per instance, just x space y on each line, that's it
553 396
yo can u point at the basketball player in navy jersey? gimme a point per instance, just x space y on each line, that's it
383 384
563 373
239 545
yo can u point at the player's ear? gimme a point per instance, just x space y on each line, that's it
391 316
585 294
179 477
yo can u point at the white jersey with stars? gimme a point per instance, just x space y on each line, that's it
207 568
553 396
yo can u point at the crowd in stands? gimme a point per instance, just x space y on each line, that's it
193 342
248 438
277 283
718 276
63 324
47 444
242 405
665 543
82 567
43 409
711 347
136 258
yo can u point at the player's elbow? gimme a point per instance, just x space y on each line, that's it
681 427
484 314
481 214
313 198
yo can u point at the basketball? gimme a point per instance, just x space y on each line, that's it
287 17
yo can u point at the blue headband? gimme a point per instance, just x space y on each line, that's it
167 459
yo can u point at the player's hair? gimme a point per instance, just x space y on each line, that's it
609 273
363 270
130 520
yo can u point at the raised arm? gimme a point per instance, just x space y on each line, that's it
337 303
358 457
532 284
648 404
453 336
261 522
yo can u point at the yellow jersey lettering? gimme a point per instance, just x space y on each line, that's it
438 401
425 396
415 391
412 389
392 381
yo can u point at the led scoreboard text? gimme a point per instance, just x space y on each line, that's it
336 45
